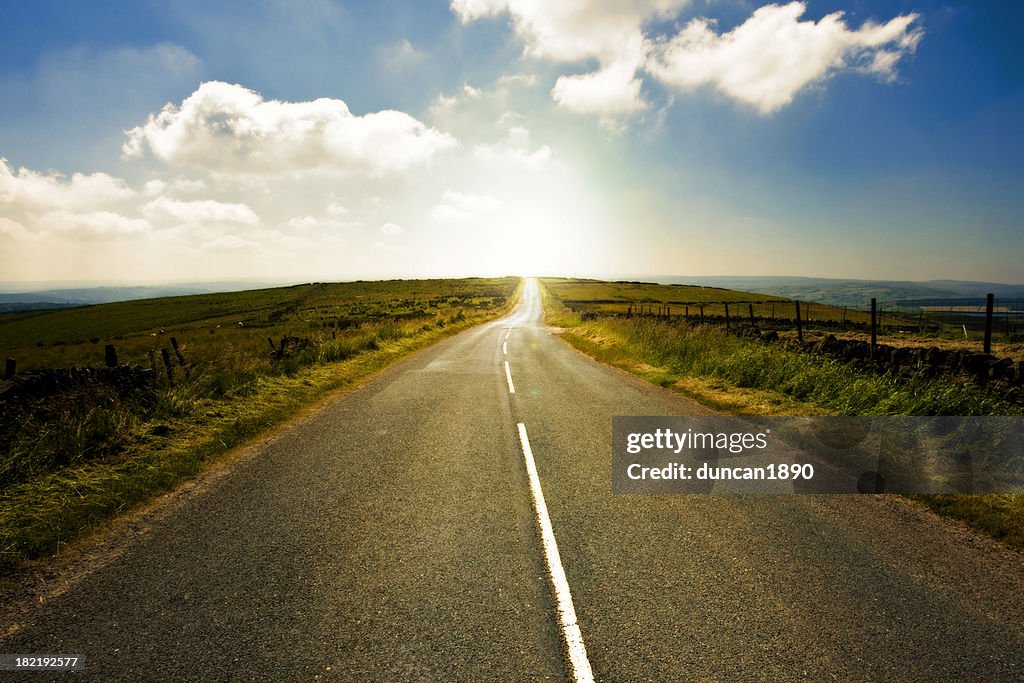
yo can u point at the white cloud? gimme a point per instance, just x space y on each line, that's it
30 189
609 31
403 53
465 208
612 90
228 128
335 209
515 150
200 211
773 55
391 230
93 224
572 30
157 187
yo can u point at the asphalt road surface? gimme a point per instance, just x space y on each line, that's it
394 536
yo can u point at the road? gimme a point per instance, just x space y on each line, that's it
394 535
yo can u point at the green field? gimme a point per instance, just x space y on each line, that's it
72 458
691 301
211 324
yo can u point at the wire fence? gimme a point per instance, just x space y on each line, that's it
984 319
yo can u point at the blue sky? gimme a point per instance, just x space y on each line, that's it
322 140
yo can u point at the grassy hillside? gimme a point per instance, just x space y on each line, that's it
240 320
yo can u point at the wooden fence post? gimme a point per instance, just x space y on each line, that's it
989 306
10 368
799 328
701 315
874 326
750 307
727 316
111 356
166 355
177 351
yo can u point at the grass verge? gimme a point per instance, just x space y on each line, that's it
41 515
735 375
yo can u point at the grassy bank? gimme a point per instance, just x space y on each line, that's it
745 376
74 460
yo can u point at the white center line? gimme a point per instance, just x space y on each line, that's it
508 376
581 672
504 348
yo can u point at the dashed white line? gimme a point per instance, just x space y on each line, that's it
508 376
581 672
504 348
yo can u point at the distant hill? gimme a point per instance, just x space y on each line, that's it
22 297
838 292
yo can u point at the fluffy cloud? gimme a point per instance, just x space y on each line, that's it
391 230
609 31
200 211
228 128
515 151
573 30
31 189
157 187
464 208
763 62
613 90
773 55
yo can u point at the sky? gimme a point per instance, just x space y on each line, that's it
149 141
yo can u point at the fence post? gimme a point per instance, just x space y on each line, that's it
111 356
727 316
750 307
10 368
177 351
799 328
989 305
686 312
701 315
874 326
166 355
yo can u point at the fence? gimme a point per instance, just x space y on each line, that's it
979 320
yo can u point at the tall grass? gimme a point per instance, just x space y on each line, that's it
708 351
